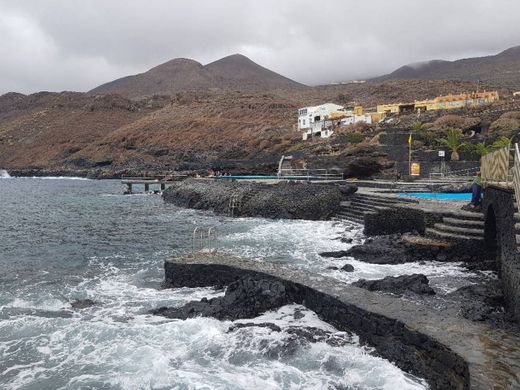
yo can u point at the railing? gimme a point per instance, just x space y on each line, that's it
461 173
204 240
311 174
494 167
516 175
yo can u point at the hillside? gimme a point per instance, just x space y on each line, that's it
235 72
192 130
501 70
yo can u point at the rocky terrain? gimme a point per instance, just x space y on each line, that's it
283 200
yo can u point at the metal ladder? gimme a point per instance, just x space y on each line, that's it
204 240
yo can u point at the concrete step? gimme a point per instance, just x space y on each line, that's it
404 199
355 213
471 223
432 232
469 215
370 202
459 230
349 218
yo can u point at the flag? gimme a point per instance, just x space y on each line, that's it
410 139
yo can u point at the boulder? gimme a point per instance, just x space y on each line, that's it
416 283
244 298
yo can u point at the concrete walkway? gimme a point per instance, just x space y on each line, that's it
448 351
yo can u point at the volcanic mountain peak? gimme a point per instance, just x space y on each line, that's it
500 70
235 72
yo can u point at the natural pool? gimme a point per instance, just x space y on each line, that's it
438 195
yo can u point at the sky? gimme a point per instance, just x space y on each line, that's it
57 45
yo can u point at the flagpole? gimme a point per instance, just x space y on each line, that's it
410 154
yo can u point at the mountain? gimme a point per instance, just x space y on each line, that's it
500 70
235 72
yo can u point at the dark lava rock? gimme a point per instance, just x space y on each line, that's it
82 303
335 254
245 298
348 268
333 268
417 283
377 250
481 302
304 334
283 200
273 327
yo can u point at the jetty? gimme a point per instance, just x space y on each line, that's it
154 183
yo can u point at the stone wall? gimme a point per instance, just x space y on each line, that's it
394 220
500 232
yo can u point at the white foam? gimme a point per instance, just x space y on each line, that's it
4 174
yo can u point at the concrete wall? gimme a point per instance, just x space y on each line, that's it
500 233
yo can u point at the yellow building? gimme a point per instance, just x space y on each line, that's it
389 108
462 100
447 102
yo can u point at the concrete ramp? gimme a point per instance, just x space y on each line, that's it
449 352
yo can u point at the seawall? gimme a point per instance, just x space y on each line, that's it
450 353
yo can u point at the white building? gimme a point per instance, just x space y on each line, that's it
311 120
350 120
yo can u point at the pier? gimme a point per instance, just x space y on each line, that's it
155 184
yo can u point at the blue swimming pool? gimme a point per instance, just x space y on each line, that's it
438 195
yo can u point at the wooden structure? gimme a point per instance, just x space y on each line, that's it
495 167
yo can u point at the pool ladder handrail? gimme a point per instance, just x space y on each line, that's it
207 236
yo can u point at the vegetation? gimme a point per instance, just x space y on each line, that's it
501 142
354 138
480 149
453 140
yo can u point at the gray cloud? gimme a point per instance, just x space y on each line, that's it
77 45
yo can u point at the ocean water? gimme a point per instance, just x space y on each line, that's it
63 239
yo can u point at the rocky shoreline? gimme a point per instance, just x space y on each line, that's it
289 200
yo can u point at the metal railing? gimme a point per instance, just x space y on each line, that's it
311 174
516 175
204 240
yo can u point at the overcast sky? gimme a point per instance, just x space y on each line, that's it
79 44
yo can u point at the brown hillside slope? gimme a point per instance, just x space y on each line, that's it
43 129
500 70
191 130
235 72
201 133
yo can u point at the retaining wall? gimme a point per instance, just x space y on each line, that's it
499 232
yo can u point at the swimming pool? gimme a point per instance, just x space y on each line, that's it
438 195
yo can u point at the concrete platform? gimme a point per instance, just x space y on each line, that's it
448 351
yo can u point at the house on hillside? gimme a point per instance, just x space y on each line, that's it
313 120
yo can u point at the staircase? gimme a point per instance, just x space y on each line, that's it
354 209
459 225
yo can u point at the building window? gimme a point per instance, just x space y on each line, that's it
303 122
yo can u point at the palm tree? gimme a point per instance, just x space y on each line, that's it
481 149
453 141
501 142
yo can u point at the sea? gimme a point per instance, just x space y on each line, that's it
68 239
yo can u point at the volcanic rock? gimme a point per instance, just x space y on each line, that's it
417 283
